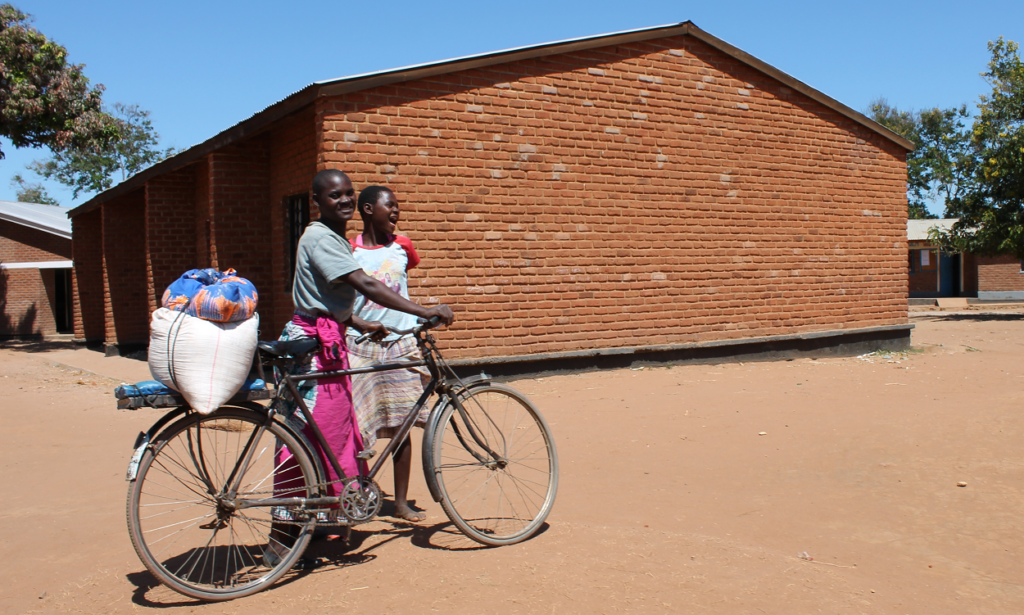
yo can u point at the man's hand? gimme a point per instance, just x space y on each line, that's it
382 295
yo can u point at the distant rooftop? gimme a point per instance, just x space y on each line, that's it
917 230
48 218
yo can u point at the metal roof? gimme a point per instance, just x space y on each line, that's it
917 230
48 218
345 85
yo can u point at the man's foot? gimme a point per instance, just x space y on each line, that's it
408 514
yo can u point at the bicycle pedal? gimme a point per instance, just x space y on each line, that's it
367 454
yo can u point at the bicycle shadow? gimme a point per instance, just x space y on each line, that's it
320 555
324 555
445 536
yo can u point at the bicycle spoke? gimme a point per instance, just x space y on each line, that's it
191 540
504 500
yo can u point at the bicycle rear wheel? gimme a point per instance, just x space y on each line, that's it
494 465
187 531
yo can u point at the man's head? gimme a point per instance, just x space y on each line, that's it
334 196
321 179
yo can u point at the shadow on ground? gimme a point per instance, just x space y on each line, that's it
967 317
36 345
325 555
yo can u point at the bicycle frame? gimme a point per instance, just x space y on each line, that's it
438 383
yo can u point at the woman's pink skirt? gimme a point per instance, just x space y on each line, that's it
332 410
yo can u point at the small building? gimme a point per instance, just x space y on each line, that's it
35 271
933 273
657 190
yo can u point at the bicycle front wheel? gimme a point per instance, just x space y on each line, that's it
185 523
494 463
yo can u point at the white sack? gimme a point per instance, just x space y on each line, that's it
209 360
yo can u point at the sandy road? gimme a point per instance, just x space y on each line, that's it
670 500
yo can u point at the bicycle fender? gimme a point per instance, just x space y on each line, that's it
145 437
428 432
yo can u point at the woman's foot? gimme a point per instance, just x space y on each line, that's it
408 514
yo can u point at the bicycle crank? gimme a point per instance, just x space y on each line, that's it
360 500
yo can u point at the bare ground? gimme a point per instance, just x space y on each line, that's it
670 500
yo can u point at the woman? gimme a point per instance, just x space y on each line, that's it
327 280
383 400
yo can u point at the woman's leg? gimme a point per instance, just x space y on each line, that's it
402 458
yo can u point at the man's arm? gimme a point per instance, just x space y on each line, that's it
382 295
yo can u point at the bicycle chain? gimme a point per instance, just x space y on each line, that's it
340 521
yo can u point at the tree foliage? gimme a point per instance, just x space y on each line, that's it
96 169
940 167
32 193
44 101
992 212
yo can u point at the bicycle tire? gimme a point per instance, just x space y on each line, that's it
503 500
196 547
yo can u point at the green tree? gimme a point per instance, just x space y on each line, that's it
98 168
992 212
32 193
44 101
940 167
907 125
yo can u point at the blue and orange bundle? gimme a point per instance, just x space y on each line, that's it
217 296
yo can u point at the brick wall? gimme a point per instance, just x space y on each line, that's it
22 244
629 196
241 226
170 225
88 279
206 252
292 163
25 307
924 281
26 295
999 273
125 289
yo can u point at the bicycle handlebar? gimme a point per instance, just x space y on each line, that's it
424 325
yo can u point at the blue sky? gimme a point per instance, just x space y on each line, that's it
200 67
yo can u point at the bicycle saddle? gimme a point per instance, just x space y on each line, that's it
291 348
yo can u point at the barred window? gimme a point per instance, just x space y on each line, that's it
298 219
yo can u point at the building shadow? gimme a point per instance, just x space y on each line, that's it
16 327
967 317
36 345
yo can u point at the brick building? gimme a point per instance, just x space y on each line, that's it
934 274
656 190
35 270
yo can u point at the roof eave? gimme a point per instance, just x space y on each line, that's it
245 128
347 85
799 86
35 225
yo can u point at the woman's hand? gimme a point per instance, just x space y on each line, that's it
375 328
443 313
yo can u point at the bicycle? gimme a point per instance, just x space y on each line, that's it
214 516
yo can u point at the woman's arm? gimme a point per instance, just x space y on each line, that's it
382 295
376 329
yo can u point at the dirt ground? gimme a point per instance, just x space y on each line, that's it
671 497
